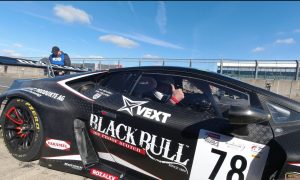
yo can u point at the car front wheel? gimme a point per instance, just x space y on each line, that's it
22 130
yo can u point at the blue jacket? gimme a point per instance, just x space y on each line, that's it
57 60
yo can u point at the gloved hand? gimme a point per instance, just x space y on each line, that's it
177 95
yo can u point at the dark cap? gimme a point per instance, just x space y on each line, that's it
55 49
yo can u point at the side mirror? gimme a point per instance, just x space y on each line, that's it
240 116
243 115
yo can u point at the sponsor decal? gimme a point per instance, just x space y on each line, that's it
155 147
235 145
130 106
30 90
34 114
58 144
73 166
56 59
102 174
256 150
101 92
96 96
40 92
212 139
292 175
116 141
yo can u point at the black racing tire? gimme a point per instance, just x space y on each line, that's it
22 130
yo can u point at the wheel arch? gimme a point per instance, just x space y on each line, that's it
6 99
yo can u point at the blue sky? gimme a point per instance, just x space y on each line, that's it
238 30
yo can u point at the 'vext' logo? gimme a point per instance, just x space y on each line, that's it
149 113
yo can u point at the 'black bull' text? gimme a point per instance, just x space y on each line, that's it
152 144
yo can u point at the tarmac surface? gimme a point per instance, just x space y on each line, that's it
12 169
5 82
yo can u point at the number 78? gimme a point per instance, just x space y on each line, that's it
234 169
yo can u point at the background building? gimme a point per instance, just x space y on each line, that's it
260 69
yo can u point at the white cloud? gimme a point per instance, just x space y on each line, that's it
297 31
119 41
18 45
70 14
150 40
258 49
139 37
150 56
161 18
11 53
285 41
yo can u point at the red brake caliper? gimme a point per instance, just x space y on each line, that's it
9 113
16 120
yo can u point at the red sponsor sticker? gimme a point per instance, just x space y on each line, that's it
256 149
104 175
58 144
116 141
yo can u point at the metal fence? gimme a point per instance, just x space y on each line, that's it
105 63
257 69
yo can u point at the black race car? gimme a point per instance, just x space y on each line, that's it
120 124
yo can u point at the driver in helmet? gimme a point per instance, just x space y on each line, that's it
164 91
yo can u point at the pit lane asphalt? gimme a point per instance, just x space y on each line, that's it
12 169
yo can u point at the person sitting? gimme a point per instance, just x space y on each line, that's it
162 90
173 96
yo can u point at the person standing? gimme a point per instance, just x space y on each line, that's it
59 58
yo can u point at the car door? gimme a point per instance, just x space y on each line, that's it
106 96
